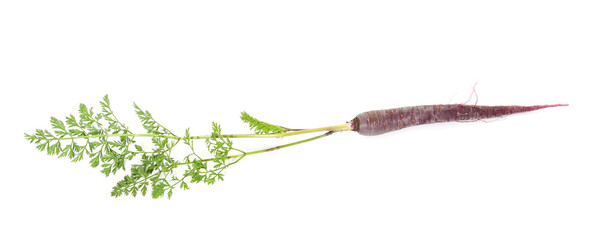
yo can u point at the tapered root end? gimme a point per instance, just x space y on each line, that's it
547 106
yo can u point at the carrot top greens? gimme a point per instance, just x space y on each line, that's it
107 142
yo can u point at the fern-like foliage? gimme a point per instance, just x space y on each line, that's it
88 135
108 143
260 127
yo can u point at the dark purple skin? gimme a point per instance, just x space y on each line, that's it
382 121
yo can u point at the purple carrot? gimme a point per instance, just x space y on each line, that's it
382 121
82 137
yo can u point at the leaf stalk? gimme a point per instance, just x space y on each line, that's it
335 128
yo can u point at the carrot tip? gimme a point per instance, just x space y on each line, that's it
536 107
555 105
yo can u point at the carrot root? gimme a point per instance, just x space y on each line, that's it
382 121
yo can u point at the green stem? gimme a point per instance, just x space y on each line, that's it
267 149
335 128
115 135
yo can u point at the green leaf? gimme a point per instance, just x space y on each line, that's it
42 146
105 102
79 157
57 124
144 190
54 149
71 121
260 127
94 145
94 162
116 192
158 190
106 171
134 191
184 185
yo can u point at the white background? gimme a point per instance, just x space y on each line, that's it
538 175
